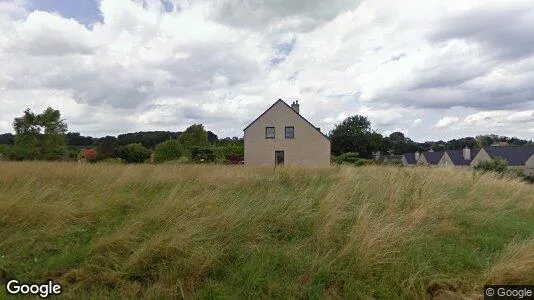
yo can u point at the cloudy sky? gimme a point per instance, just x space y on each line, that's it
432 69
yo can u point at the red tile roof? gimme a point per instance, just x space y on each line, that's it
89 153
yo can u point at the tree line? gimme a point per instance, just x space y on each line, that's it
45 136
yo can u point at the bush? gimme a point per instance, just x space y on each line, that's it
19 153
134 153
349 157
203 155
352 158
167 151
497 165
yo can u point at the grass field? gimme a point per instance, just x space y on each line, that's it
173 231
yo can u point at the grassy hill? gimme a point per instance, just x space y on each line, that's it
215 231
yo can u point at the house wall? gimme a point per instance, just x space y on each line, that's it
445 161
422 160
308 148
529 166
480 157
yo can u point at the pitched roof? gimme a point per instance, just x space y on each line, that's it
433 158
457 157
282 101
88 152
514 155
410 158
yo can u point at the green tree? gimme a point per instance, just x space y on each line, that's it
354 134
107 147
168 150
134 153
40 135
194 136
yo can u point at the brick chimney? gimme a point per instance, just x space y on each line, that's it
295 106
417 154
466 153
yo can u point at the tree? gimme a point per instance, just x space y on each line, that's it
134 153
168 150
75 139
41 135
107 147
354 134
193 136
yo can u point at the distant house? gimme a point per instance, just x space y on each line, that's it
518 157
529 166
86 155
386 158
458 158
430 158
389 159
410 159
281 136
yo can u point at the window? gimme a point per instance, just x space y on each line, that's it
290 132
269 132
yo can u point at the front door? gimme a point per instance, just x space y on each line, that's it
279 157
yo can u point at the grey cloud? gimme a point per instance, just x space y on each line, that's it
259 14
98 82
446 75
505 34
479 98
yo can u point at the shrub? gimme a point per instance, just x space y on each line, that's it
348 157
203 155
352 158
134 153
497 165
19 153
167 151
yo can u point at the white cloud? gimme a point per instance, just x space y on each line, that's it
404 65
446 121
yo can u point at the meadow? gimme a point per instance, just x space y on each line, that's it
198 231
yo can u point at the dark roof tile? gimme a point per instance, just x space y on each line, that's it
514 155
433 158
410 158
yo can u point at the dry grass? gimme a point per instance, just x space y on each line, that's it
186 231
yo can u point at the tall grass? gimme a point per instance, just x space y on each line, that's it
169 231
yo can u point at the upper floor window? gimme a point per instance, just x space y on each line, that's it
269 132
290 132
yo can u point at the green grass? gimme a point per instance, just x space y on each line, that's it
171 231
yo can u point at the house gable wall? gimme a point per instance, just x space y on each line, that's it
480 157
309 147
422 160
445 161
529 166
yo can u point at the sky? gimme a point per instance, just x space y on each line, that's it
431 69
